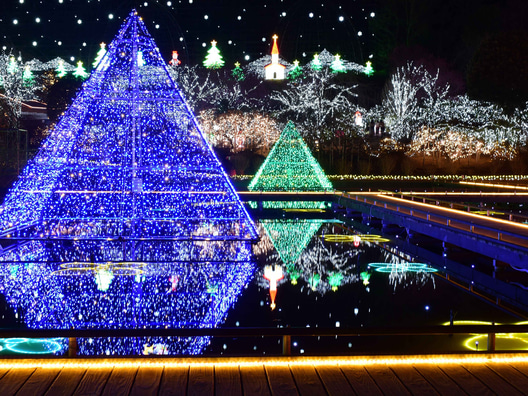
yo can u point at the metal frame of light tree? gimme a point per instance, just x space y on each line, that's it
290 166
126 174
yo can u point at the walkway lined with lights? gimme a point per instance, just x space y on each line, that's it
476 374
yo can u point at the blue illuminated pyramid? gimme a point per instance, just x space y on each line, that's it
126 174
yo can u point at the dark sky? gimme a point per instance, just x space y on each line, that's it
74 28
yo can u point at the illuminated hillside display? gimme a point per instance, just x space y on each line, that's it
291 167
125 199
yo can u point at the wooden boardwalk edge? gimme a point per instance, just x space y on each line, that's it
497 373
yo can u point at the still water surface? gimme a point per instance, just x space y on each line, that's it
306 272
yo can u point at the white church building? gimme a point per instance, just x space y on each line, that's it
274 70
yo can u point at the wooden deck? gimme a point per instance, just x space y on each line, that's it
483 374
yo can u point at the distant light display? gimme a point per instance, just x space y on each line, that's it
61 69
369 70
337 65
296 72
238 73
316 63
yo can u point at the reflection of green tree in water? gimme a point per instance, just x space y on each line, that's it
318 264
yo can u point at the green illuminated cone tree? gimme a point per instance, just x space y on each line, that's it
290 166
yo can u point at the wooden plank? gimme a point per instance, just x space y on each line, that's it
438 379
201 381
227 381
386 380
93 381
413 380
66 382
465 380
280 380
39 381
510 374
174 381
521 367
307 380
493 381
334 380
3 372
120 381
14 379
147 381
254 380
360 380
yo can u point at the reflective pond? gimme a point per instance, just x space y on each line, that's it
303 273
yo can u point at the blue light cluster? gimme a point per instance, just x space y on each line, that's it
125 218
138 295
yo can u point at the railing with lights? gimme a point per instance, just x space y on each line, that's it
505 231
489 332
433 199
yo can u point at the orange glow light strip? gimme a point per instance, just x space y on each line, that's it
481 358
458 212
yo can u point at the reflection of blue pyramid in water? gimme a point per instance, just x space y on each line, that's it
136 295
127 162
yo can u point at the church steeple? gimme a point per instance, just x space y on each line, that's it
275 50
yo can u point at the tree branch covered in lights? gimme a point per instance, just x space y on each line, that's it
240 131
314 102
15 87
417 109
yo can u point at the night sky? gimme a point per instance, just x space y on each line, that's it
46 29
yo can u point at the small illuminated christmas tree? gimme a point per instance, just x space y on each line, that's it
80 71
290 166
100 54
238 73
27 77
296 72
61 70
316 63
369 70
213 60
337 65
